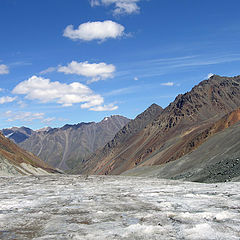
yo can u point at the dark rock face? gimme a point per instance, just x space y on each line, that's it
65 147
136 125
164 137
17 135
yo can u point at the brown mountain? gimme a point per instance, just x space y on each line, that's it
126 133
214 158
178 130
65 147
16 161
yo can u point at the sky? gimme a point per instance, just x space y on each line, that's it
70 61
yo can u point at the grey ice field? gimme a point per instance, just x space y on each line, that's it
115 207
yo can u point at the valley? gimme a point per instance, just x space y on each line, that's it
117 207
120 120
171 173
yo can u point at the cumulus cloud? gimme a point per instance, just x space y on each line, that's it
38 88
23 116
94 31
4 69
120 6
96 71
169 84
135 78
7 99
109 107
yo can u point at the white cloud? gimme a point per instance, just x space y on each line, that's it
4 69
7 99
48 120
38 88
94 31
97 71
48 70
135 78
120 6
23 116
210 75
170 84
109 107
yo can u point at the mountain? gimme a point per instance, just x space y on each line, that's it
216 159
45 129
16 161
16 134
178 130
65 147
126 133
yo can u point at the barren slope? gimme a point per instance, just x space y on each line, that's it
16 161
216 159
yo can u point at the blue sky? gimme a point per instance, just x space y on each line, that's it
70 61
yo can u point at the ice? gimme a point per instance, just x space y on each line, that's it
116 207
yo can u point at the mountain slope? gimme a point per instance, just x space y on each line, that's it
164 138
16 161
67 146
125 134
216 159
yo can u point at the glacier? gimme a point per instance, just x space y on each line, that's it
117 207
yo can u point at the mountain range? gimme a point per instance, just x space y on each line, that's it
65 147
179 129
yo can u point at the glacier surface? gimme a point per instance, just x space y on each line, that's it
117 207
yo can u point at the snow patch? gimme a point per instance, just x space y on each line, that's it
9 135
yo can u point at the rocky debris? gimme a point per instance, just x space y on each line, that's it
223 171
